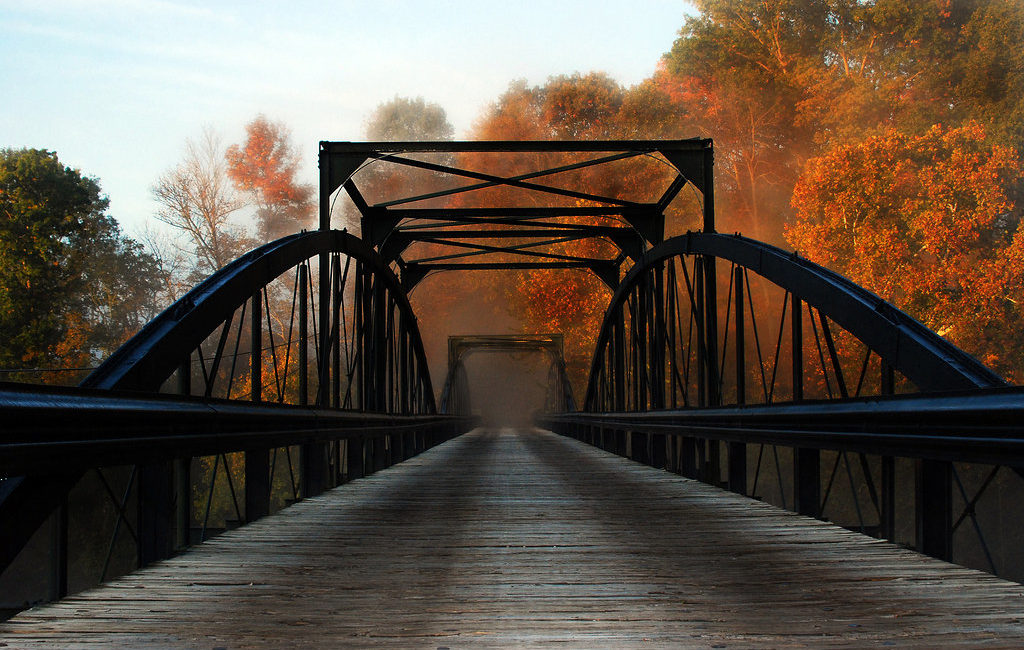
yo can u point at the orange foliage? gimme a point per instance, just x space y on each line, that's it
926 222
266 166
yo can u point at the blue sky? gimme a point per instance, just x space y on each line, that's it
116 86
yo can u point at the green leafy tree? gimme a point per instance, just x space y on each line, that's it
405 119
72 286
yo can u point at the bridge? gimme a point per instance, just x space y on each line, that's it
764 453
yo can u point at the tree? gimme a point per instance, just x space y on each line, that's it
405 119
740 73
777 82
926 222
265 166
578 106
72 286
196 198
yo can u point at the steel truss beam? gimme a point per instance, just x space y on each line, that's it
381 220
145 361
903 343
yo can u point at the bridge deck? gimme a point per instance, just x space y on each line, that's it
522 538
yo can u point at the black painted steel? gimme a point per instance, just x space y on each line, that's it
455 396
635 362
902 342
385 220
982 426
45 463
53 429
145 361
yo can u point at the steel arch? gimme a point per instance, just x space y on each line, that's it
149 357
906 345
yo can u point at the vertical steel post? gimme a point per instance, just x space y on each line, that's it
711 310
694 448
888 488
59 551
806 462
672 358
336 299
714 379
356 446
934 508
257 460
155 503
738 450
642 366
708 189
659 455
313 455
620 377
324 288
182 472
379 384
303 334
256 347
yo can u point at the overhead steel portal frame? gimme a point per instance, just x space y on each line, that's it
548 201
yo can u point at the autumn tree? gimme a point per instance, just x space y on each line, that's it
72 286
570 107
740 73
775 83
196 198
926 222
265 167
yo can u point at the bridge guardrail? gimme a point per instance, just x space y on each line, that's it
951 440
980 426
51 429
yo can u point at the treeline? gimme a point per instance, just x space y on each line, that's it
882 139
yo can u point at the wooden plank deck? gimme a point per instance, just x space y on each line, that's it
524 538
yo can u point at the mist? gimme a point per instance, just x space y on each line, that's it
506 389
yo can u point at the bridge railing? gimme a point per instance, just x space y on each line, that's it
143 450
921 464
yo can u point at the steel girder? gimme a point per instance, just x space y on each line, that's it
148 358
55 429
975 426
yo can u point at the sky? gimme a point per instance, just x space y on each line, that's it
116 87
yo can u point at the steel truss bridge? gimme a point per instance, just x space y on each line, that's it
299 367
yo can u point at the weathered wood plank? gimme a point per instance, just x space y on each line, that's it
513 538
